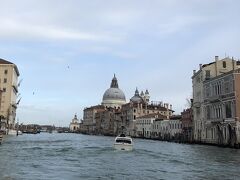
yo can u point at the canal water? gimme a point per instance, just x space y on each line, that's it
75 156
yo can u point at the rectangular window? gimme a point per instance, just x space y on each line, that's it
207 91
197 111
224 64
227 85
5 71
208 112
4 89
228 109
5 80
198 79
218 89
208 74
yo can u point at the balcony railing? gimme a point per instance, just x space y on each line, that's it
216 98
215 120
196 104
15 88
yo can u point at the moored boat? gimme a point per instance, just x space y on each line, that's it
123 142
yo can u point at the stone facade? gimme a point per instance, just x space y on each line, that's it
167 129
144 124
89 118
221 108
187 125
175 127
74 125
206 73
132 110
9 90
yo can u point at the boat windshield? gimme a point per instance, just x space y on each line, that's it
127 141
122 135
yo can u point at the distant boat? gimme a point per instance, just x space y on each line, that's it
30 131
123 142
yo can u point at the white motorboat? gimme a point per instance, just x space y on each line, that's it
123 142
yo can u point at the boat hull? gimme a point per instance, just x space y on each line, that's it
123 147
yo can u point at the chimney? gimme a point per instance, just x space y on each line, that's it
233 64
170 107
194 71
200 66
216 58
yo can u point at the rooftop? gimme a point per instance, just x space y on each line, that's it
3 61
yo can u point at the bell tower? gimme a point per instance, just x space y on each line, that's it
147 96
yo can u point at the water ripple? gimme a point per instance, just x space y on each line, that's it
74 156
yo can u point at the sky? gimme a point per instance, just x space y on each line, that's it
68 51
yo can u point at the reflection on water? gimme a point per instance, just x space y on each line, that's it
74 156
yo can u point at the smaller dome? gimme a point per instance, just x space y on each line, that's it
137 98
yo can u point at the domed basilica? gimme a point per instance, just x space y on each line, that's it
114 112
113 97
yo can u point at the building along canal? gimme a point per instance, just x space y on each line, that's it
76 156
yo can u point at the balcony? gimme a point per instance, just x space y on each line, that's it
197 104
15 88
215 120
213 99
218 98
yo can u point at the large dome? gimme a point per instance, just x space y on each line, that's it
113 97
114 94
